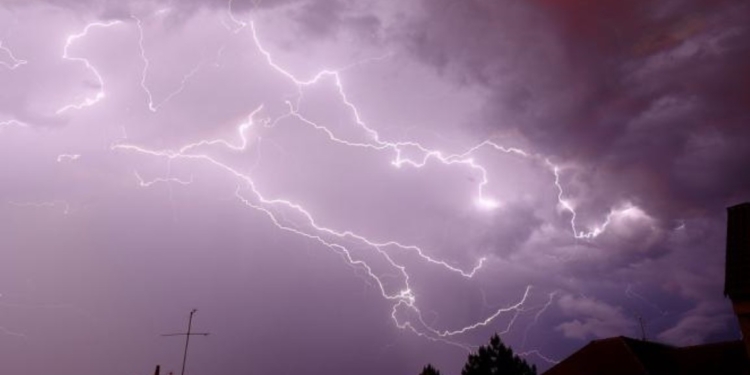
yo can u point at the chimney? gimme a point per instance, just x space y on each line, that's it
737 275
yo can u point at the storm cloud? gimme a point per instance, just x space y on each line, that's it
164 156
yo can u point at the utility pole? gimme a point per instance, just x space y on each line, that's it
187 338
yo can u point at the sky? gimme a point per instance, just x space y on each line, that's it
343 186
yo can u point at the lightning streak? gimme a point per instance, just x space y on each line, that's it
15 62
539 313
340 241
153 106
567 206
8 332
516 309
540 355
15 123
400 147
15 305
240 24
275 210
632 294
52 204
144 183
66 56
67 157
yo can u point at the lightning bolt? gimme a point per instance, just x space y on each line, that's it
536 352
51 204
64 306
14 123
335 240
568 206
87 102
8 332
67 157
240 24
304 225
144 183
153 106
516 309
632 294
539 355
15 63
539 313
399 148
291 217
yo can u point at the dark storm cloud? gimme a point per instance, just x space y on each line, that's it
642 107
321 18
240 5
653 95
601 320
511 229
648 102
104 8
325 18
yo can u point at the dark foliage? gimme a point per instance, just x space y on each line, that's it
429 370
496 359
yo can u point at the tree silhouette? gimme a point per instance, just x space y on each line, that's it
496 359
429 370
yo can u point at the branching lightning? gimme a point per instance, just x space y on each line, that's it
405 313
152 105
332 239
15 62
66 56
291 217
539 313
240 23
398 148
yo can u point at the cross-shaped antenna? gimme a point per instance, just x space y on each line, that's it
187 338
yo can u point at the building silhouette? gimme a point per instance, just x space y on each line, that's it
627 356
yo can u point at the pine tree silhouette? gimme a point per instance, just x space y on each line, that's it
496 359
429 370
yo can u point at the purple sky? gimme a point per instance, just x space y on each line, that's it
345 186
